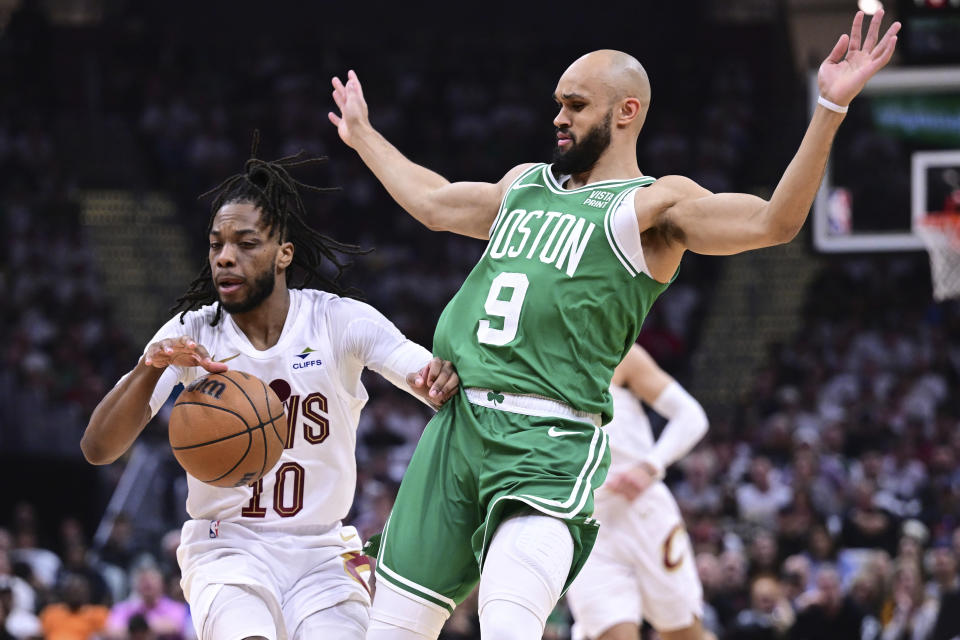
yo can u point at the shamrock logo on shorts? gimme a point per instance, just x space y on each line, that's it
494 397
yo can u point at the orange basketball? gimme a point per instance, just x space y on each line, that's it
228 429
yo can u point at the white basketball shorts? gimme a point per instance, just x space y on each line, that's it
296 573
642 567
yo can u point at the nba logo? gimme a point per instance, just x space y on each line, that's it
214 528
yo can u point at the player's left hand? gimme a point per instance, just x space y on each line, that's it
852 62
436 382
631 483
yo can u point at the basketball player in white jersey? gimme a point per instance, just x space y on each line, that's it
272 561
642 565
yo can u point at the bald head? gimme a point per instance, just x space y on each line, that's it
618 73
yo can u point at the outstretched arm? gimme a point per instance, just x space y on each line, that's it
727 223
686 420
125 410
467 208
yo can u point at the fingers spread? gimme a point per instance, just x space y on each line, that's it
889 39
856 31
839 49
887 50
873 31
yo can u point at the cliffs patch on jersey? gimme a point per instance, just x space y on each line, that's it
307 359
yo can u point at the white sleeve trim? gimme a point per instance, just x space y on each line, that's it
623 234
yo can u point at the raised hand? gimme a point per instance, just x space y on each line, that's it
182 351
353 107
852 62
436 382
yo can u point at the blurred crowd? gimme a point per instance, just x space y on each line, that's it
823 505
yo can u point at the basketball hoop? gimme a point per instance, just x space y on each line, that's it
940 232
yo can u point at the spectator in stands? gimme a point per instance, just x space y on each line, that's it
120 549
76 562
708 568
795 579
865 525
4 634
27 549
19 601
732 595
941 564
770 615
867 590
914 614
74 617
821 548
696 494
168 619
138 629
947 626
831 616
759 500
763 554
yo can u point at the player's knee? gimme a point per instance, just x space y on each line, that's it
506 620
238 613
347 620
396 615
528 563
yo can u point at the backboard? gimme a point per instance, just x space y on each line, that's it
893 157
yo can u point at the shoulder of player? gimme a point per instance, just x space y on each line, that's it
515 173
196 320
674 188
665 193
337 308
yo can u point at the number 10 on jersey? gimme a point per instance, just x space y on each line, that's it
508 310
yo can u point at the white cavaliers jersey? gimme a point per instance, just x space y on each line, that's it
631 437
315 369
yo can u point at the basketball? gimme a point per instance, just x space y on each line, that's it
227 429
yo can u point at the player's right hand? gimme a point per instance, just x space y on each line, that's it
352 105
854 60
182 351
436 382
632 482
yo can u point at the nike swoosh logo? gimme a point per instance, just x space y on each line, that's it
227 359
553 432
347 538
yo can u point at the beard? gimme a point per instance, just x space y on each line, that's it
583 155
260 290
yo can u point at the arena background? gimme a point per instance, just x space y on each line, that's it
830 379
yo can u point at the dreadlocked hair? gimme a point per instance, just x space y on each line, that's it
268 186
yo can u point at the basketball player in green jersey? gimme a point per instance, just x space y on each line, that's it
500 487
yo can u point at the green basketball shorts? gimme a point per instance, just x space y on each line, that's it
483 457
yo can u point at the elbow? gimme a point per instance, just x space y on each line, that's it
783 234
93 451
700 422
433 223
780 228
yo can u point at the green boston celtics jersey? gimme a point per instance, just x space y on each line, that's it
557 298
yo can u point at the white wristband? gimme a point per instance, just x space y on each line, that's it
831 105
